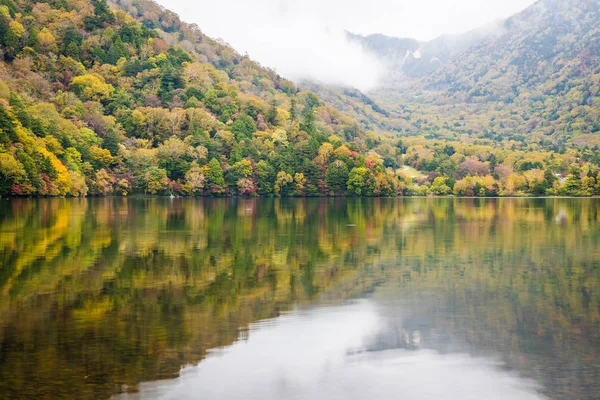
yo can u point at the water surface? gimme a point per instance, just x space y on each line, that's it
300 298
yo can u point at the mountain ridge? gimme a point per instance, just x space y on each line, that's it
97 100
414 58
539 74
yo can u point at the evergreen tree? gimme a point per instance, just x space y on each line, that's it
336 177
214 178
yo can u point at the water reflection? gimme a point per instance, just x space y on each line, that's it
98 295
325 354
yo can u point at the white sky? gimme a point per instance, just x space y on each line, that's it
304 38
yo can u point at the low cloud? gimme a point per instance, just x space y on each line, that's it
306 39
286 36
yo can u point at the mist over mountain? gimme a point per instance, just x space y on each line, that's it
534 74
405 58
123 97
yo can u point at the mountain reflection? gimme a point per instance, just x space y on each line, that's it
99 295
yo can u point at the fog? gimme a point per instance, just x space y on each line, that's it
305 39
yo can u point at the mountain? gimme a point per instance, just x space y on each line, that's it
116 98
534 78
539 49
407 58
123 97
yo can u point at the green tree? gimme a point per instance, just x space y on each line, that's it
13 39
240 170
572 185
356 180
308 114
336 176
243 127
116 51
264 176
214 178
174 157
73 51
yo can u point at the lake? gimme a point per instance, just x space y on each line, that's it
412 298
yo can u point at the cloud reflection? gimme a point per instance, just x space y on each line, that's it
327 353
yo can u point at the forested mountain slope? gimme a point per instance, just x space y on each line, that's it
104 98
95 101
407 58
535 79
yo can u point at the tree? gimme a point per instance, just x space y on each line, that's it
103 183
174 156
214 178
549 179
265 176
357 180
100 158
156 180
240 170
464 187
272 113
11 171
102 14
79 187
111 142
572 185
243 127
170 80
246 187
91 87
194 179
5 19
336 176
46 41
588 185
300 182
293 115
282 182
473 168
439 186
308 114
13 39
116 51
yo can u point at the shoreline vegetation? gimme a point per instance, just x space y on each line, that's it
104 101
271 197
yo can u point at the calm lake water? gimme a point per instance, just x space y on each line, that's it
150 298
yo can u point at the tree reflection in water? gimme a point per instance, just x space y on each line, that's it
98 295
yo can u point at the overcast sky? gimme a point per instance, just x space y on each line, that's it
304 38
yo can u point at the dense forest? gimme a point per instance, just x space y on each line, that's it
122 98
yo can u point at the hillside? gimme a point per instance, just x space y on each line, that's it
118 98
535 78
99 100
407 58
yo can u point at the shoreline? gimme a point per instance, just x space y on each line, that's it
297 197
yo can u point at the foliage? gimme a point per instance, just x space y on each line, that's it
95 100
